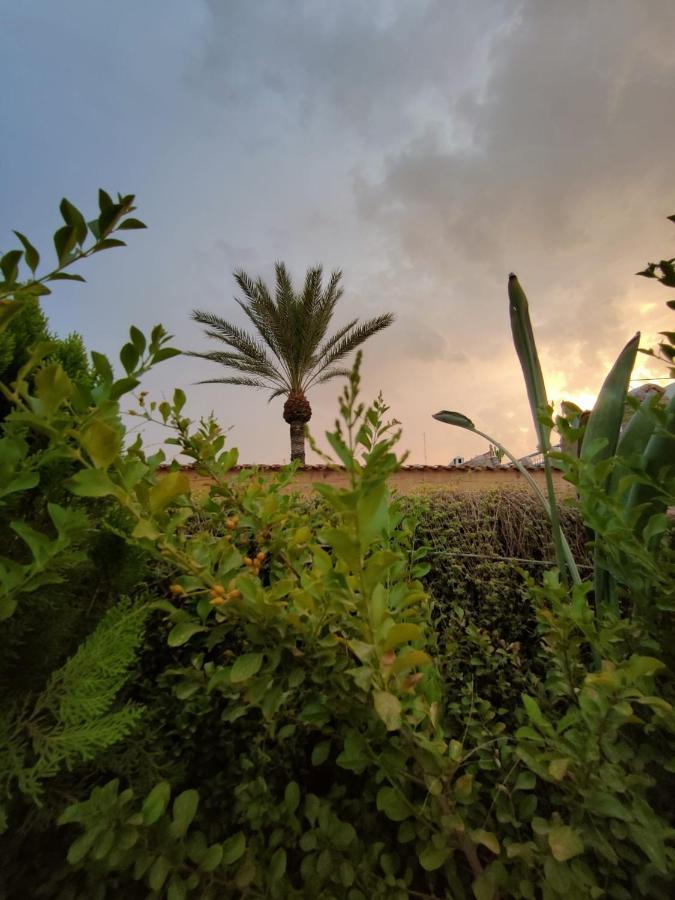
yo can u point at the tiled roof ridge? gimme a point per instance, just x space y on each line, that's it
324 467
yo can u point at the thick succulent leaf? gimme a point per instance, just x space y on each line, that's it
604 423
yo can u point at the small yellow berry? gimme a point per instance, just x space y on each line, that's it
177 589
217 601
261 555
248 561
234 594
218 590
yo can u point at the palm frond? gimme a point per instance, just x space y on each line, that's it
359 333
242 364
270 320
334 339
319 306
245 382
333 373
289 350
279 392
246 346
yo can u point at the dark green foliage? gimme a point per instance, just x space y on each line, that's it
28 328
479 547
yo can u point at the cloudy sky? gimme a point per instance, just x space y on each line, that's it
425 147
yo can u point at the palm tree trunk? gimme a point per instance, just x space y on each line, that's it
298 442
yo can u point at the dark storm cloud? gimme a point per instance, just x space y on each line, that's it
375 68
567 162
424 147
476 138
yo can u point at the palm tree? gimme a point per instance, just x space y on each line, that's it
289 353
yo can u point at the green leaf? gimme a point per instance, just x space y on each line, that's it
558 768
234 848
454 418
164 354
600 803
155 804
108 243
433 857
388 708
123 386
144 529
180 634
91 483
64 243
31 255
342 451
9 264
137 339
401 634
277 865
73 217
487 839
102 367
652 845
292 796
177 889
565 842
320 753
464 786
484 888
246 667
410 659
168 488
212 858
65 276
7 606
372 513
129 357
393 804
129 224
81 846
179 400
104 199
102 443
533 711
52 387
184 810
158 873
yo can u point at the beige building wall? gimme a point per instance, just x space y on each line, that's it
412 479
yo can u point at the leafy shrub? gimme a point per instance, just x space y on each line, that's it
297 706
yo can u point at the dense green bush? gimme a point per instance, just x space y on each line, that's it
281 709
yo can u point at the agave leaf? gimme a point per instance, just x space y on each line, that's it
607 415
600 441
658 455
632 442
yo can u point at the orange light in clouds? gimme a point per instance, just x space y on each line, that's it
558 388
